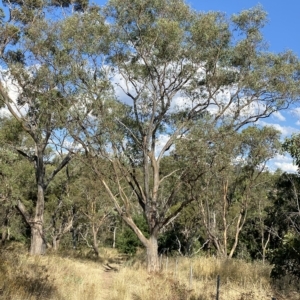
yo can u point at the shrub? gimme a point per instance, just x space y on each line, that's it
127 241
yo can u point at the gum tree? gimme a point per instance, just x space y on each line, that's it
235 176
174 69
176 66
32 89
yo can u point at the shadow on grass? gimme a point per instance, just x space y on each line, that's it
21 279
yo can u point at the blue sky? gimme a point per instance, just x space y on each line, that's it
282 32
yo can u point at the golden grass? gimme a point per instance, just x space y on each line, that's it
195 279
55 277
51 277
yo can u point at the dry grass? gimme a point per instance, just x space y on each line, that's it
55 277
238 281
51 277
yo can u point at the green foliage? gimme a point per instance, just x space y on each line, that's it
285 224
169 241
126 240
292 146
259 144
283 215
233 187
286 258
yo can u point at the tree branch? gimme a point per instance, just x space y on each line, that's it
63 163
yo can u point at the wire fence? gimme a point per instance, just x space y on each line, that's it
167 267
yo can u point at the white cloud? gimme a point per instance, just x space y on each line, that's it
4 112
283 162
119 83
285 130
286 167
296 112
278 116
13 90
161 142
180 103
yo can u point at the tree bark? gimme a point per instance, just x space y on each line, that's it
239 226
152 255
55 242
95 240
4 236
37 245
5 228
264 245
114 237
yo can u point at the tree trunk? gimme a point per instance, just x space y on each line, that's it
55 242
74 237
95 240
219 246
152 255
5 227
96 249
37 246
239 226
3 236
265 245
114 237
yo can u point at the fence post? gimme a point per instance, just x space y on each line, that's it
167 261
260 285
218 287
191 276
160 263
176 262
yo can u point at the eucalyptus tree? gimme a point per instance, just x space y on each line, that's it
292 146
33 86
226 178
16 178
174 66
257 238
